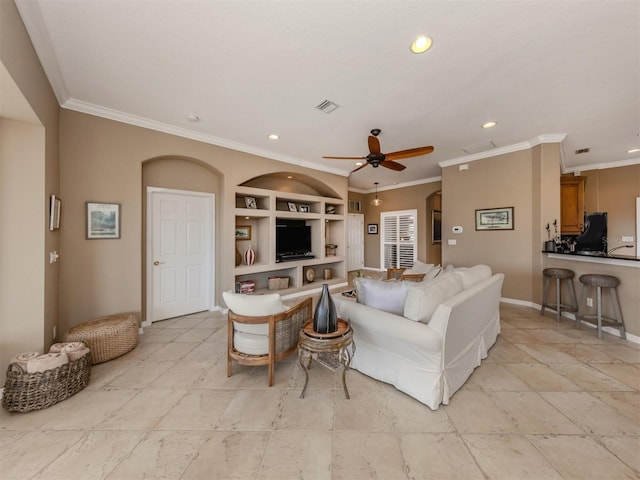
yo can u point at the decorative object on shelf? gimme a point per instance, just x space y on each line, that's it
325 318
103 220
250 202
303 208
310 275
372 228
247 286
278 283
376 202
292 206
249 256
327 273
330 209
243 232
54 213
330 249
494 219
238 257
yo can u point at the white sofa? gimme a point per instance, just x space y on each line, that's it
430 349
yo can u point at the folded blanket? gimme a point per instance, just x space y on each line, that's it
45 362
24 358
74 350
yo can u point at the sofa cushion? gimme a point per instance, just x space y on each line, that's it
387 296
424 298
472 275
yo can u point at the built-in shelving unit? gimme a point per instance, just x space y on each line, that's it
260 209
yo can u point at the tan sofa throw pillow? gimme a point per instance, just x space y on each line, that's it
424 298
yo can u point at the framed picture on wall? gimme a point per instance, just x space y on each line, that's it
436 226
54 213
372 228
494 219
103 220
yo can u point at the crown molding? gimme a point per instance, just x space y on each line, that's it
122 117
39 35
396 186
516 147
603 166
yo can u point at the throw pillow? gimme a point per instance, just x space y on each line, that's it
424 298
420 267
387 296
472 275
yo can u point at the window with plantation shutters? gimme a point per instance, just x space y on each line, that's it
398 239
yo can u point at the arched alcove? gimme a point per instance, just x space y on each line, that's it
288 182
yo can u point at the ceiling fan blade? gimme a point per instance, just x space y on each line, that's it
361 166
398 167
346 158
374 145
412 152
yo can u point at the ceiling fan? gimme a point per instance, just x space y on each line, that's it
377 158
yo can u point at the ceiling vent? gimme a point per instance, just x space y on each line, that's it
582 150
327 106
479 147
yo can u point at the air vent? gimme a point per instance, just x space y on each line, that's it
479 147
327 106
582 150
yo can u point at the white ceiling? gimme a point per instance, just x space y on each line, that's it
540 69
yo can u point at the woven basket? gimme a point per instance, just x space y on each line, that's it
107 337
24 392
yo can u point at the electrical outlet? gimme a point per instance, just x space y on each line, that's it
55 331
589 302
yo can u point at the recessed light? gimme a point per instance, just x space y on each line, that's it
289 177
247 218
421 44
359 164
489 125
192 117
633 150
273 136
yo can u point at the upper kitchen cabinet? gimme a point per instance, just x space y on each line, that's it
572 204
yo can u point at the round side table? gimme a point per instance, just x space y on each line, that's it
311 342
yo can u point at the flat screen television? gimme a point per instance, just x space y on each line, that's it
293 241
594 236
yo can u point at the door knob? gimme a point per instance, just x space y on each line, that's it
156 263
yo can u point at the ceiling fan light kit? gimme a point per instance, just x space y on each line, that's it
375 158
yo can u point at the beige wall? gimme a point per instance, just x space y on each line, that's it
102 160
408 198
41 150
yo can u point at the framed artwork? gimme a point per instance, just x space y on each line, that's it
250 202
54 213
243 232
436 226
494 219
372 228
103 220
303 208
292 207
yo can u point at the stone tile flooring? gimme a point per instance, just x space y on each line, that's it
550 402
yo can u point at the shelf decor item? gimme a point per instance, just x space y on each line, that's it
325 317
249 256
310 274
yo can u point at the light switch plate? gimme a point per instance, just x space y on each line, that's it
452 241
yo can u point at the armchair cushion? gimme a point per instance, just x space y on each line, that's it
253 306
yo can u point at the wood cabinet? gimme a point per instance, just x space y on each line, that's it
260 209
572 205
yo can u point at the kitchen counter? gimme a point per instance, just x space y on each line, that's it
613 259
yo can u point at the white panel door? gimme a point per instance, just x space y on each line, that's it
355 242
181 251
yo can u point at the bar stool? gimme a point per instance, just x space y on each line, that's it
559 274
599 282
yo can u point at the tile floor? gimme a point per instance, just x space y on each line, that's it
549 402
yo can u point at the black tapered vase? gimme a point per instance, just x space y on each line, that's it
325 317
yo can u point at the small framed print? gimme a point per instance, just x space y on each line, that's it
372 228
250 202
292 207
303 208
103 220
494 219
54 213
243 232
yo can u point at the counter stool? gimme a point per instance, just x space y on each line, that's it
600 282
559 274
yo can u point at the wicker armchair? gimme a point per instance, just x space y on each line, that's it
261 331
